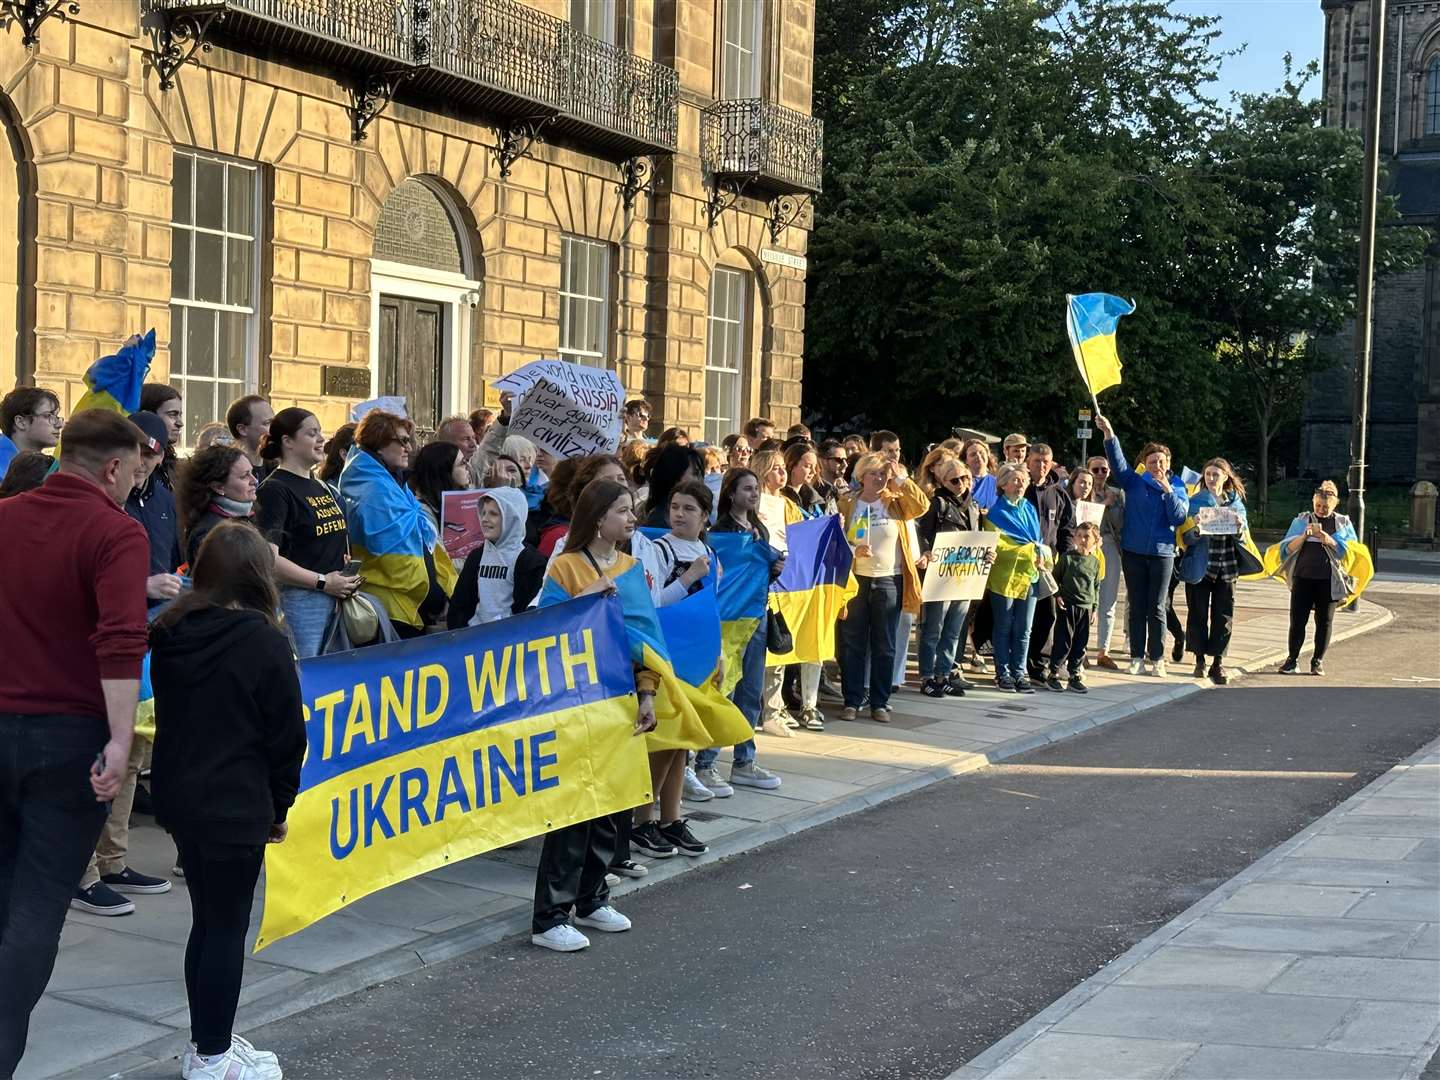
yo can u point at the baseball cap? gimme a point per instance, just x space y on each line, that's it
1016 439
157 435
1327 487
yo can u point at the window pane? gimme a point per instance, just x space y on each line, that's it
567 265
177 338
184 170
199 399
241 197
200 342
234 344
209 268
238 272
209 194
180 283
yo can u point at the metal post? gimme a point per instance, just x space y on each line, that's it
1365 287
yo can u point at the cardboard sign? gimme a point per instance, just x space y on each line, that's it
394 405
957 569
567 409
1089 511
460 523
1217 521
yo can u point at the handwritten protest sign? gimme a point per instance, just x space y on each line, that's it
1217 521
1089 511
460 523
568 409
957 569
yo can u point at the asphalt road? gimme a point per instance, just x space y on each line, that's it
903 941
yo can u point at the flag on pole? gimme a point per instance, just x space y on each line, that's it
1090 320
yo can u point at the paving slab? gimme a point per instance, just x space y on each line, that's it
1276 898
1384 1027
1251 1063
1372 979
1218 969
1095 1057
1285 933
1410 905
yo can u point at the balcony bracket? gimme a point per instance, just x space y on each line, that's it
180 36
637 177
30 14
514 140
369 96
723 194
785 210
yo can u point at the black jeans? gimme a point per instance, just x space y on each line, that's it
1307 595
1147 581
1072 638
624 821
1040 627
571 874
1211 616
221 880
1172 620
49 822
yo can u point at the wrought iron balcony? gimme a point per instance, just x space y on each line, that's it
772 146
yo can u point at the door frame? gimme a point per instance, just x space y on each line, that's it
458 295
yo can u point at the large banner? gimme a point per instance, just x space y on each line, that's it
429 751
568 409
957 569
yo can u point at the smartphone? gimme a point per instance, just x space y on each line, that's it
352 568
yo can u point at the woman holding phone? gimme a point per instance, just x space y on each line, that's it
1311 556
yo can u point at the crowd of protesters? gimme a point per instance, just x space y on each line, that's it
263 546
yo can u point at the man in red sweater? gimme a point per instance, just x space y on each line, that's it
72 601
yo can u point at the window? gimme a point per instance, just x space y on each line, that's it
1432 98
585 301
740 50
725 353
594 17
214 280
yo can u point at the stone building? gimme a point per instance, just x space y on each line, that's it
327 200
1405 387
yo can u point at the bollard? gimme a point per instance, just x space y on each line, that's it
1422 511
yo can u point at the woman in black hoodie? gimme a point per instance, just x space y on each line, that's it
230 738
942 622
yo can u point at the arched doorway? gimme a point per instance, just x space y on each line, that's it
17 329
425 285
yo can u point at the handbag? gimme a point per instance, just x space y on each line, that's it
778 639
362 622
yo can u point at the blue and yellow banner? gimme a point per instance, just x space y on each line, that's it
1090 320
432 750
813 589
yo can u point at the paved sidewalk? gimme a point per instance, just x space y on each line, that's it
1319 962
116 1003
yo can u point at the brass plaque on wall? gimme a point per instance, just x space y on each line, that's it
345 382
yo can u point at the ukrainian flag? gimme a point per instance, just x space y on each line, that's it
114 382
1091 319
694 635
813 589
1353 557
741 595
391 536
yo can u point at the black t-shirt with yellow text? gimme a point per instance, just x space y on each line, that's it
301 517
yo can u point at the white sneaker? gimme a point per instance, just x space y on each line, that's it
776 726
1137 666
562 938
605 919
694 790
234 1064
1158 669
243 1048
715 783
612 880
753 775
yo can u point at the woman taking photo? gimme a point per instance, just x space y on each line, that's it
1209 567
1311 558
216 484
306 529
942 622
1154 506
230 741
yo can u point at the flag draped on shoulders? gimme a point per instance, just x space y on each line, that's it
1090 320
114 382
1017 551
391 536
813 589
1351 563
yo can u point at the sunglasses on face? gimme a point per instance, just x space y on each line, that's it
1098 469
956 481
405 441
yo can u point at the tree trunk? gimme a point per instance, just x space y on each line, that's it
1264 464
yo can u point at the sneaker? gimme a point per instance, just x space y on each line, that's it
812 720
646 837
241 1047
1052 682
1289 667
776 726
1004 684
880 716
128 881
955 686
1218 675
693 789
685 841
791 720
1177 651
178 870
979 664
849 713
1317 667
612 880
562 938
958 676
1035 670
605 919
1104 661
234 1064
715 783
1159 670
1137 666
100 899
1077 684
630 868
752 775
829 690
1022 686
933 687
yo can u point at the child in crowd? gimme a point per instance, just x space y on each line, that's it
1078 573
685 561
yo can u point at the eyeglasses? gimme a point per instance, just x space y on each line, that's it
839 459
1098 469
53 417
405 441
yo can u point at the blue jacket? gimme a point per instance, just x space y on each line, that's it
8 450
153 506
1151 511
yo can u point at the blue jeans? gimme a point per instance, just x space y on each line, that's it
307 614
746 696
940 624
1012 634
871 623
1147 584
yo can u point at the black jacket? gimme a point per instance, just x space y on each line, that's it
946 514
1056 510
153 506
529 575
201 529
229 731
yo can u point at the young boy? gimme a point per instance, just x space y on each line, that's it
1078 575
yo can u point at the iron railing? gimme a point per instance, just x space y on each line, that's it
760 139
614 89
501 44
397 29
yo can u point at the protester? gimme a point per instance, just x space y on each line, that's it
230 738
457 430
30 419
504 472
635 420
830 475
72 600
248 421
214 433
336 447
503 575
885 571
947 482
27 471
1056 512
775 718
885 443
737 451
574 860
1013 583
552 519
306 529
801 466
481 421
855 448
165 402
668 466
216 484
439 467
1077 572
980 463
1015 447
1154 506
1311 555
1112 524
152 503
492 445
1210 565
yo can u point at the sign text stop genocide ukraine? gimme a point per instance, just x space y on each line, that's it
429 751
